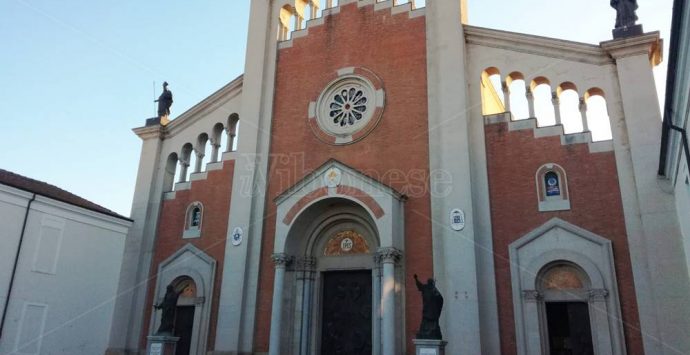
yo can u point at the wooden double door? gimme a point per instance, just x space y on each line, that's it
346 313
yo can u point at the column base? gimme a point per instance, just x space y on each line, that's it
161 344
430 346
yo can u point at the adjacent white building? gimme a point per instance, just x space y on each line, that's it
675 158
60 259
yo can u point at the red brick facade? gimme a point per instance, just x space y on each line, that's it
513 158
395 152
214 194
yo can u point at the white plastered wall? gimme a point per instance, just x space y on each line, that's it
64 248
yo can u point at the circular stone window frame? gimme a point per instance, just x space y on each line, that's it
322 124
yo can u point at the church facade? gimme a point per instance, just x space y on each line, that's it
376 142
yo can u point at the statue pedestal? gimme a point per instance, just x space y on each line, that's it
430 346
155 121
624 32
161 344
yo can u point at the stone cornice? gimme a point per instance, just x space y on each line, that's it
537 45
213 101
150 132
649 44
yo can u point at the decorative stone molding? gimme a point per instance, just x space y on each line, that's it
532 295
348 108
346 243
281 260
598 294
649 44
388 255
305 263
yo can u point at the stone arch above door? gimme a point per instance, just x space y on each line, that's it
560 242
332 201
189 262
384 205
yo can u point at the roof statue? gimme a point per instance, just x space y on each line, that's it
625 18
164 101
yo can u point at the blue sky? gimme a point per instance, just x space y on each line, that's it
76 76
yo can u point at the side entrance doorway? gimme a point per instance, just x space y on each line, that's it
347 309
184 324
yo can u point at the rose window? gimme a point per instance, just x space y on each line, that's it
347 109
348 106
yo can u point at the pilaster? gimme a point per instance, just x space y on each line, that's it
455 264
661 277
128 315
239 286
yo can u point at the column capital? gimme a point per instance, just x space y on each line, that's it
388 255
305 263
598 294
532 295
281 260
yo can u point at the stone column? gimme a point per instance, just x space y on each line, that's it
231 131
199 160
556 102
308 265
298 22
215 149
583 114
506 95
530 101
600 316
329 4
280 261
532 301
376 346
184 165
389 257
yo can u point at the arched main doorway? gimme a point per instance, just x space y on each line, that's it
338 240
335 279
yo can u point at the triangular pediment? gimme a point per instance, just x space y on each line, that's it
349 175
557 223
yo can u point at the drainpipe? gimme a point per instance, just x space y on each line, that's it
14 268
684 137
